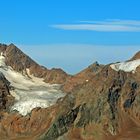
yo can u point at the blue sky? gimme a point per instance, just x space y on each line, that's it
72 34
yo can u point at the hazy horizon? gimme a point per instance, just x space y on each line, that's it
72 34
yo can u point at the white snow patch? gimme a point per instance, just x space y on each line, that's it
30 92
129 66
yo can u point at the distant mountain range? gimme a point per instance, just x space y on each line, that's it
102 102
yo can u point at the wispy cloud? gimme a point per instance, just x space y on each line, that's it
115 22
103 26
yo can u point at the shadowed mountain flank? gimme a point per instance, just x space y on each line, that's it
101 102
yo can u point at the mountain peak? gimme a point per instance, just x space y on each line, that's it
102 100
136 56
14 49
2 47
12 45
20 62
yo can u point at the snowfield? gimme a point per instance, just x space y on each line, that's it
29 91
129 66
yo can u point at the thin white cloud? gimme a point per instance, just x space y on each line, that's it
103 26
114 22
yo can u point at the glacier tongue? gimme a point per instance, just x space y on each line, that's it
30 92
129 66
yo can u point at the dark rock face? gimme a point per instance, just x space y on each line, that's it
5 98
128 103
113 96
132 95
102 104
61 125
90 114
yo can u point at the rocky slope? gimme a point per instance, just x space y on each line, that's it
20 62
102 103
82 77
136 56
5 98
107 107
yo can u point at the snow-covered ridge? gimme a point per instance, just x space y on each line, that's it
29 91
129 66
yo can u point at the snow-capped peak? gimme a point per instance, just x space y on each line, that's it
129 66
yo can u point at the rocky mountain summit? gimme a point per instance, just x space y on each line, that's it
20 62
101 102
136 56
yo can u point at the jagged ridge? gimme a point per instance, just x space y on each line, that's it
20 62
101 104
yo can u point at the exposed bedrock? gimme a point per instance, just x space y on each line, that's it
102 104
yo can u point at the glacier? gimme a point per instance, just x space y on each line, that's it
129 66
29 92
